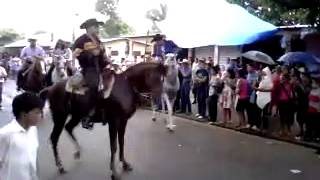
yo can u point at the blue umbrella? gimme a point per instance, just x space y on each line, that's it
293 58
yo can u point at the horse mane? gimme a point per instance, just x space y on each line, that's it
144 66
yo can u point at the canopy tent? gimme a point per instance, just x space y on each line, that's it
213 23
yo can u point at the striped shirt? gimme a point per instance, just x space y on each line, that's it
314 100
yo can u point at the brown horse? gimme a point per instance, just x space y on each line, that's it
118 108
34 79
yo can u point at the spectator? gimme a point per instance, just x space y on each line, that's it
313 123
215 88
264 98
252 110
285 105
3 77
242 97
227 95
185 86
195 67
201 81
302 88
19 139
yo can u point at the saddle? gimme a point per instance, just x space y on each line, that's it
77 85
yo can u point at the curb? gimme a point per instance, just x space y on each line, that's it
250 132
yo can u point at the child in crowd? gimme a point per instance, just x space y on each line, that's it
19 139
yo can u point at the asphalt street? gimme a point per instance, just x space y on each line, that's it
195 151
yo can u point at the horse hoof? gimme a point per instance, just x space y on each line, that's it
77 155
62 171
171 128
115 177
127 167
154 119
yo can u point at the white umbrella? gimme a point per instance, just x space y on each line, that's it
258 56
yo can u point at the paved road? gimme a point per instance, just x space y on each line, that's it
194 151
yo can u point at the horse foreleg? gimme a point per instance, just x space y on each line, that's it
69 128
170 124
59 121
153 106
121 133
113 147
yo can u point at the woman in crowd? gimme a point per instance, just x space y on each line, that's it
215 88
186 72
227 95
301 88
313 120
242 97
284 103
252 111
264 98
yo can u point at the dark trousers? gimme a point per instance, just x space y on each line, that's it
312 126
177 101
213 107
202 98
185 97
195 93
264 117
302 113
253 115
286 114
1 88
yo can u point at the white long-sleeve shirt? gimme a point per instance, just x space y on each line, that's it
18 152
29 52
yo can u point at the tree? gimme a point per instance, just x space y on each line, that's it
284 12
8 36
114 26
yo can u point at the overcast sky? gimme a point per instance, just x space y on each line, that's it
58 16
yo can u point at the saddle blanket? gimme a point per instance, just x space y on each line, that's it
76 85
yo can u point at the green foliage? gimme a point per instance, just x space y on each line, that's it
8 36
114 26
284 12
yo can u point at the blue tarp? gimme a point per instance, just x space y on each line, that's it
213 23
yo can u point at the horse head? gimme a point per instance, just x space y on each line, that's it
146 77
35 78
170 60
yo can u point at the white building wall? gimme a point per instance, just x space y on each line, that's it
220 55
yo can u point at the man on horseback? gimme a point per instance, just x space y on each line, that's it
27 55
90 53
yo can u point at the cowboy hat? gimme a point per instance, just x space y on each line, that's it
32 38
157 37
90 22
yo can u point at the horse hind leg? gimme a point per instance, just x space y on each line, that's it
153 106
122 130
59 120
69 128
113 148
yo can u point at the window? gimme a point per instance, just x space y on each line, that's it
136 53
114 53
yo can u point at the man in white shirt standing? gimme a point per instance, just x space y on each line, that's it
19 139
3 76
26 55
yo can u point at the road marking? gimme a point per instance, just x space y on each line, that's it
295 171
